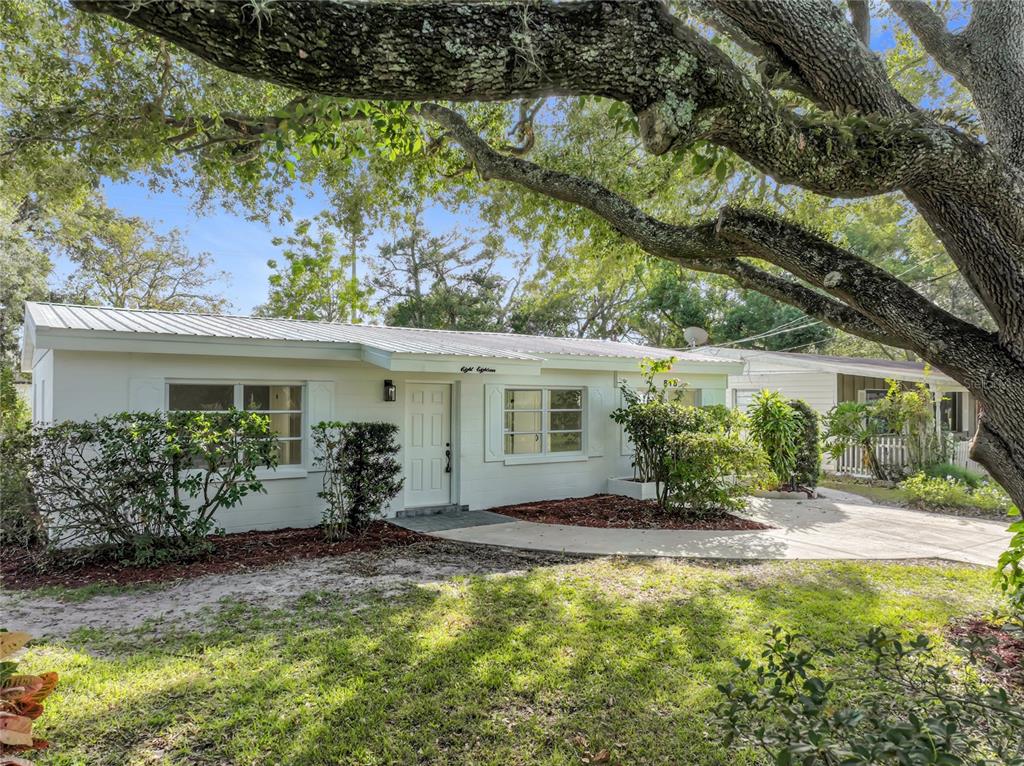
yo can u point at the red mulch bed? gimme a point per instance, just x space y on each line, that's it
1006 648
618 512
233 553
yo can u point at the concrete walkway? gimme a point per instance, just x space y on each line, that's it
838 525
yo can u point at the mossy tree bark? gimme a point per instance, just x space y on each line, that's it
867 139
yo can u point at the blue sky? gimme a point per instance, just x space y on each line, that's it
238 246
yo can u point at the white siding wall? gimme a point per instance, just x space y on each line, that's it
818 389
92 384
42 387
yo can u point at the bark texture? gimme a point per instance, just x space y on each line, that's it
864 138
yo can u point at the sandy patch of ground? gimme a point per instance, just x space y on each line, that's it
186 604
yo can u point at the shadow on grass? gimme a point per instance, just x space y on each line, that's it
547 667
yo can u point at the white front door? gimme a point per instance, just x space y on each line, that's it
428 476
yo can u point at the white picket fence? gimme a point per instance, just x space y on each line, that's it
892 451
962 456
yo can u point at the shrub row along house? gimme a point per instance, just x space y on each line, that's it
485 419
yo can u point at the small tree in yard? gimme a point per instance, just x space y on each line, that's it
361 473
144 487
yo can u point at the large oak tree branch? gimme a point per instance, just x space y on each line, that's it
870 299
986 57
680 85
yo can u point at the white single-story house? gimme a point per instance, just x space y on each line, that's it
485 419
825 381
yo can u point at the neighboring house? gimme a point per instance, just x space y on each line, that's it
825 381
485 419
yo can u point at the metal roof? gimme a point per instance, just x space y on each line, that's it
850 365
118 322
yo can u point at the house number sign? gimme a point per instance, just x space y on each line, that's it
476 369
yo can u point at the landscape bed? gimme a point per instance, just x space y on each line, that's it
620 512
232 553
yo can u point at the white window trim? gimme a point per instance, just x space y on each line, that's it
545 410
296 471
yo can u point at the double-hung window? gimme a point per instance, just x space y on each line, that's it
542 421
282 404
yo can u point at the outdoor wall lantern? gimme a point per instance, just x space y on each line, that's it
390 391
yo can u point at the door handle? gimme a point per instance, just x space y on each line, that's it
447 461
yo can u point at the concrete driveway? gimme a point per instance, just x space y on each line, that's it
838 525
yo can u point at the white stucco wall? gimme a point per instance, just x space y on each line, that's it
90 384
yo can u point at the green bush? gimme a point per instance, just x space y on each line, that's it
19 521
961 474
905 706
145 487
808 447
1010 572
928 491
361 473
710 472
778 428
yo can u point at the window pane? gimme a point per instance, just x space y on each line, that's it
286 425
690 396
522 421
567 399
522 444
272 397
570 441
201 396
523 400
289 452
566 421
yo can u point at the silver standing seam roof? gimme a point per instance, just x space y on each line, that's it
400 340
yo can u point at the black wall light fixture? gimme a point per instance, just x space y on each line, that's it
390 391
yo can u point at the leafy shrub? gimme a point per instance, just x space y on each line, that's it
145 486
19 521
21 698
949 492
648 418
958 472
361 473
807 468
778 428
907 707
708 472
1010 572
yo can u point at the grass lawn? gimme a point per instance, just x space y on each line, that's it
548 666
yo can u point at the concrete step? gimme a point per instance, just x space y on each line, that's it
430 510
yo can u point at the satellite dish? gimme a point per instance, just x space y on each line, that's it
695 336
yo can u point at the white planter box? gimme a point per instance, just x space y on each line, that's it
638 490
